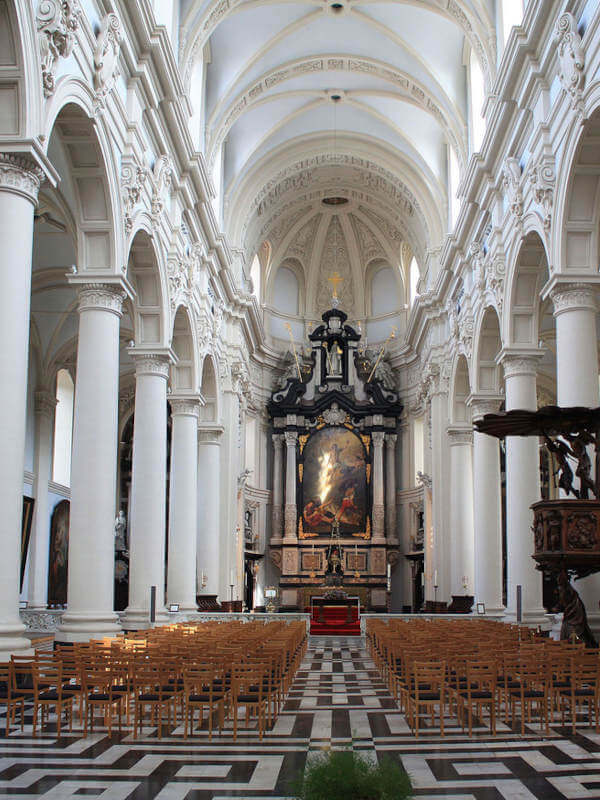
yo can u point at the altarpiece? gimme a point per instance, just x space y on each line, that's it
334 416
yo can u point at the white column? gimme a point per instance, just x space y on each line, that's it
378 511
39 546
487 512
440 497
522 489
209 518
291 440
576 345
390 488
90 592
577 383
148 489
277 508
462 537
19 184
183 503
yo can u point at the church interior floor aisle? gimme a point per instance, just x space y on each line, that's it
337 700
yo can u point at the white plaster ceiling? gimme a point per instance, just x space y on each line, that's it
398 69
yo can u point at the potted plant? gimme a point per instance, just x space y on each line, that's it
346 775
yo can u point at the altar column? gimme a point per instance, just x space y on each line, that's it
487 511
183 503
462 537
522 489
291 510
19 184
390 488
209 502
39 546
148 489
378 512
90 592
276 511
577 383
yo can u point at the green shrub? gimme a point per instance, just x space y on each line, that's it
346 775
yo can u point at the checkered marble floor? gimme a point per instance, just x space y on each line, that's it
337 700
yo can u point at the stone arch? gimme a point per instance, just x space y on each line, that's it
524 283
209 388
577 200
78 149
460 412
486 348
184 374
145 273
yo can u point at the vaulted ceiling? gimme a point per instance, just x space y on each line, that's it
354 98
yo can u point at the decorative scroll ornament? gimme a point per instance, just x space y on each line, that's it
494 279
56 25
424 480
465 333
570 55
162 175
543 177
133 178
511 182
476 255
106 56
334 415
180 285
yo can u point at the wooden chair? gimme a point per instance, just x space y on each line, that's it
48 691
149 690
203 690
531 692
247 690
583 688
99 692
427 691
10 695
480 691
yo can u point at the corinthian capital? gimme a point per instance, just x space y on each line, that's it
520 363
20 175
101 297
291 438
151 363
571 296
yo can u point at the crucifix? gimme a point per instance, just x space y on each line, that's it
335 281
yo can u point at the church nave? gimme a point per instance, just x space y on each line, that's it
336 700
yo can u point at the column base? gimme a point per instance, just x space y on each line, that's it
80 627
12 641
138 619
498 614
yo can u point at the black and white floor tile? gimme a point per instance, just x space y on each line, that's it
337 700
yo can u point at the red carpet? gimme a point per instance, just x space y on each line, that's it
335 622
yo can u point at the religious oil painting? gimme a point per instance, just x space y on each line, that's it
59 549
334 485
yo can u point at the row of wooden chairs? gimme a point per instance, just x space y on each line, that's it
181 671
483 668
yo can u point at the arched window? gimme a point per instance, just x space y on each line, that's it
255 276
63 428
477 99
453 181
286 293
512 14
414 279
